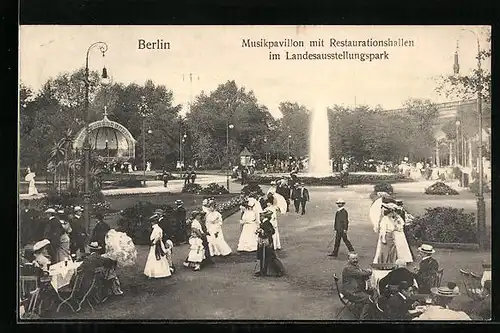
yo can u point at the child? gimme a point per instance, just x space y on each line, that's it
196 251
169 245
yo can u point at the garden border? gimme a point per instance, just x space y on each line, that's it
334 180
457 246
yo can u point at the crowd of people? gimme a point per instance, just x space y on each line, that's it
403 293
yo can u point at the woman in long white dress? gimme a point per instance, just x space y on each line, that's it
402 247
30 177
157 263
386 252
274 221
249 221
216 242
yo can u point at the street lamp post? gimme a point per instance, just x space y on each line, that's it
481 209
183 156
457 150
288 141
103 47
228 127
107 151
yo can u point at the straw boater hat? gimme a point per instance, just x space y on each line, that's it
51 211
273 182
340 201
41 244
94 246
427 249
78 209
444 292
178 202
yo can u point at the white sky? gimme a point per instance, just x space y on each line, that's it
215 55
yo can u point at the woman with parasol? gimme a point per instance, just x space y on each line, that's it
30 177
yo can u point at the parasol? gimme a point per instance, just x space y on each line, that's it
119 247
279 202
29 177
375 212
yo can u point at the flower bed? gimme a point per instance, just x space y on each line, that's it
353 179
443 225
252 188
440 188
192 188
214 189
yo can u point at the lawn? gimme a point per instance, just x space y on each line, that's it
230 291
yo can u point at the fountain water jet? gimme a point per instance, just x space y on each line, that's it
319 144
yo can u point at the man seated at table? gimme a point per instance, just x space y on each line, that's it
440 311
96 261
483 308
395 278
41 255
398 304
354 285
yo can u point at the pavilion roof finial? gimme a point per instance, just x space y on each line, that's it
105 112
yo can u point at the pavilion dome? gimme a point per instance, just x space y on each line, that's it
111 140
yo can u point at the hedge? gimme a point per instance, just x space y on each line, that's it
443 225
353 179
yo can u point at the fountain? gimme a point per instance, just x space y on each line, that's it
319 144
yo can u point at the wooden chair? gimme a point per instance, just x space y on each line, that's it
438 278
472 284
350 306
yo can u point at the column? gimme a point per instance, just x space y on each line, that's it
470 152
451 154
438 162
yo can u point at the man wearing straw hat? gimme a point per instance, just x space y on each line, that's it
341 225
427 269
53 232
440 311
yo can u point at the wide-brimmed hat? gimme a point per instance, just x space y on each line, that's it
94 246
273 182
50 210
78 209
41 244
427 249
204 202
444 292
266 213
178 202
159 211
60 211
390 206
340 201
399 202
195 213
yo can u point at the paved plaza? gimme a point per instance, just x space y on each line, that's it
229 290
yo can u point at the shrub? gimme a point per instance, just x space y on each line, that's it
134 221
252 187
457 173
192 188
474 187
444 225
383 187
440 188
353 179
214 189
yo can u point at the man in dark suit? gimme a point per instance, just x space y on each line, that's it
399 304
427 270
99 233
284 190
78 234
180 222
395 278
53 232
300 196
354 285
341 225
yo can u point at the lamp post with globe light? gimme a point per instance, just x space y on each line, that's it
481 209
228 127
103 47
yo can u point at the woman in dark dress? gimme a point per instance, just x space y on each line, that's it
265 250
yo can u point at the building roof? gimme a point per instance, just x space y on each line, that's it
245 152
